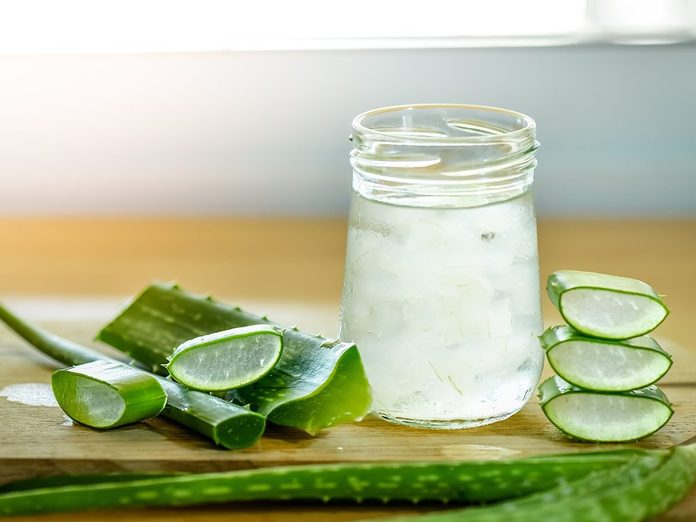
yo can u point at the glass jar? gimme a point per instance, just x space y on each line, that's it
441 289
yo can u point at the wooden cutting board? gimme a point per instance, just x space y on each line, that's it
40 441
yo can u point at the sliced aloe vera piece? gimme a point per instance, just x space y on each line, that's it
228 359
227 424
604 305
604 416
106 394
317 382
604 364
472 481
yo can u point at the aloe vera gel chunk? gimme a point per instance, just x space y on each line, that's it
606 306
228 359
106 394
604 416
604 364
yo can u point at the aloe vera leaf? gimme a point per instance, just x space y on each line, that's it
460 481
316 384
229 359
604 416
106 394
76 480
634 492
607 306
604 364
227 424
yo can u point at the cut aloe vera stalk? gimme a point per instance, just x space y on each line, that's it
106 394
604 364
482 481
317 382
606 306
604 416
227 359
227 424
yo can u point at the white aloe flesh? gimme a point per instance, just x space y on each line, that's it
107 394
602 364
603 416
606 306
227 360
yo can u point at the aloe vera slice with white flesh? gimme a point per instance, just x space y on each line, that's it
604 364
604 416
316 384
604 305
228 359
106 394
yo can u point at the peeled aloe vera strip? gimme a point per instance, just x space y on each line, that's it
228 359
604 364
606 306
471 481
227 424
317 382
106 394
635 492
604 416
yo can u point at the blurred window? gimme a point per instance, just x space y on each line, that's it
97 26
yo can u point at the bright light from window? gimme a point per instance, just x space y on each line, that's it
103 26
65 26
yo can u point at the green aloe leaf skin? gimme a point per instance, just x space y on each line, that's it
316 384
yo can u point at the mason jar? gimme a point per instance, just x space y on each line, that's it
441 290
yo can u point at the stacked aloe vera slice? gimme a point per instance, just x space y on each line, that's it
605 363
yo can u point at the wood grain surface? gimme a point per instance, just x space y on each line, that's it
72 274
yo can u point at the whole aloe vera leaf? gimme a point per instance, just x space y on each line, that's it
460 481
634 492
225 423
316 384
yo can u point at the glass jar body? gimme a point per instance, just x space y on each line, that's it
444 304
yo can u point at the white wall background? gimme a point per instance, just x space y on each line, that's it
265 132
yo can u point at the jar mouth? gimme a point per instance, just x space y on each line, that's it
444 124
443 154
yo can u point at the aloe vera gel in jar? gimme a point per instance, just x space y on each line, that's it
441 289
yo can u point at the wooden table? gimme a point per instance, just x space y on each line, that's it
71 274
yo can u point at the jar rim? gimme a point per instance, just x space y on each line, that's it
528 125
